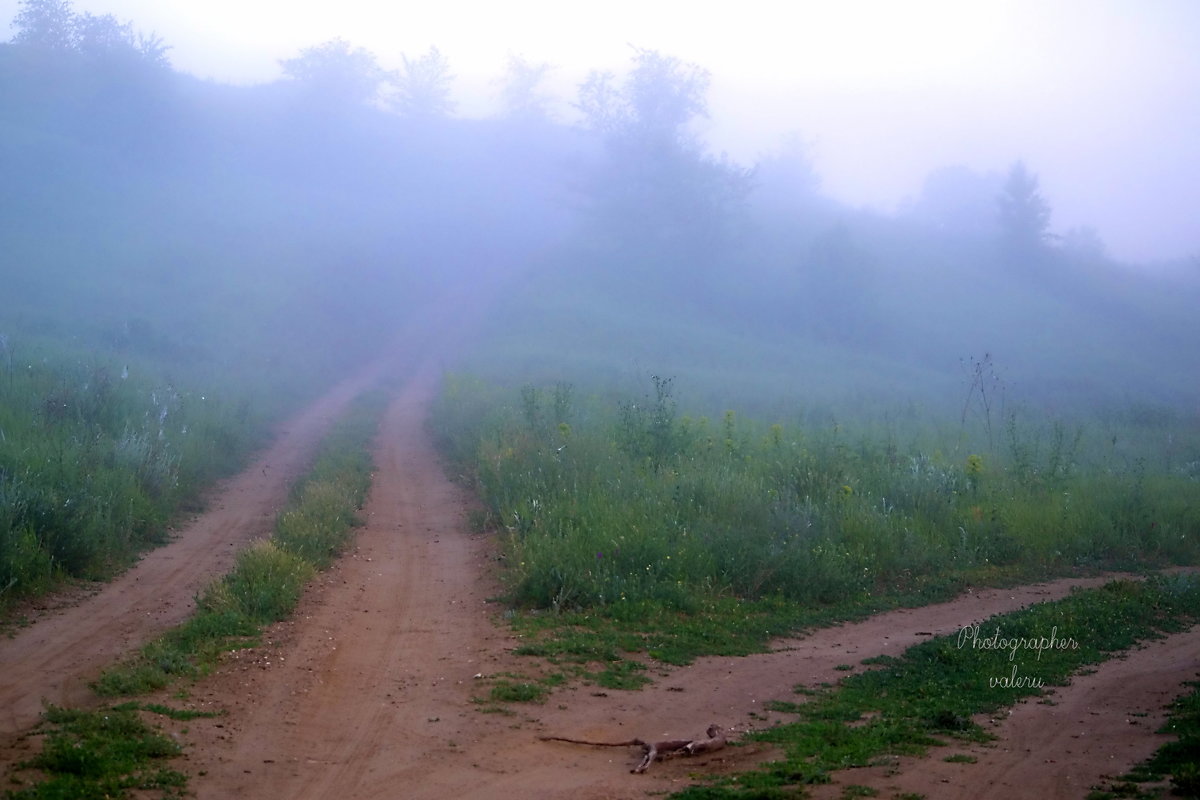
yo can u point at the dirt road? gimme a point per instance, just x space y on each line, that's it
368 692
52 660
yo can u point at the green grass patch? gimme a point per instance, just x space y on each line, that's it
856 790
930 695
113 752
623 674
509 687
180 714
507 691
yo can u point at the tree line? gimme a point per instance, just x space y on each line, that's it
656 185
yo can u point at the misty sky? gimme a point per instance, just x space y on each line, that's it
1100 97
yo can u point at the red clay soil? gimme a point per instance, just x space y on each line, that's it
368 692
53 659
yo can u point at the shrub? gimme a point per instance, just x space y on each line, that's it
265 584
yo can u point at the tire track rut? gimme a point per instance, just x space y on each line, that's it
377 670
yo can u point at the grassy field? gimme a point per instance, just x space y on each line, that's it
603 508
96 456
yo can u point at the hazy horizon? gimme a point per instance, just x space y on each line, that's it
1098 98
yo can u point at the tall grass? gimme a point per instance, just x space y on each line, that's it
321 513
600 507
95 460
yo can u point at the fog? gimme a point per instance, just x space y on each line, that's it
838 208
1097 95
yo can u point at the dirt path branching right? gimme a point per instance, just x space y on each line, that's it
936 690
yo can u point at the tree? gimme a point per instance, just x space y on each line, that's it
52 26
1024 215
786 177
655 188
660 97
1084 243
840 279
337 73
98 36
521 95
958 201
106 37
46 24
423 86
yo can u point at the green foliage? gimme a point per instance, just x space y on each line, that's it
186 651
647 429
264 586
94 461
506 691
321 514
108 753
646 506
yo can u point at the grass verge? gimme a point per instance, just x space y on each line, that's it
930 695
101 754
